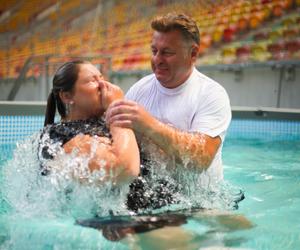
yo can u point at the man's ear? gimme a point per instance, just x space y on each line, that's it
66 97
194 52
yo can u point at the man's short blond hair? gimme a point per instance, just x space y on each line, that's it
173 21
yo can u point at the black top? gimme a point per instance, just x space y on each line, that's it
144 192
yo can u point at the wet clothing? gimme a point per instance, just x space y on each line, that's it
144 193
60 133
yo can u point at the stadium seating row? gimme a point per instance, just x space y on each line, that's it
231 31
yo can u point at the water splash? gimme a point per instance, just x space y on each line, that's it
69 189
193 187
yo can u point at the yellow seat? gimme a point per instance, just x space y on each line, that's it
228 55
259 52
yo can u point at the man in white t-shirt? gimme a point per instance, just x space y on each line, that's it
182 111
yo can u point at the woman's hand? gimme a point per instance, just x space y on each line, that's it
109 93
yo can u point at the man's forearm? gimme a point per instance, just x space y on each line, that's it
196 148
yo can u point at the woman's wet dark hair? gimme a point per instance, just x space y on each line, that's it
64 80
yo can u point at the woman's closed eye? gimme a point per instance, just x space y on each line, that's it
93 81
98 78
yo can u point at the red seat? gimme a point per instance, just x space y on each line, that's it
292 47
229 33
277 50
266 1
243 53
18 69
277 10
260 36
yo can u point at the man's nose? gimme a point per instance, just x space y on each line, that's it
158 57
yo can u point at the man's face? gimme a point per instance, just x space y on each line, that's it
172 58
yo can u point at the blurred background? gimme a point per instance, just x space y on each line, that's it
252 47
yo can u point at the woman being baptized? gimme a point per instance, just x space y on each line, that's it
81 96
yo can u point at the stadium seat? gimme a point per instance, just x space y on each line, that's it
256 19
292 48
205 43
259 52
275 34
243 23
260 36
243 54
288 22
277 10
287 4
228 55
218 34
229 33
277 51
290 33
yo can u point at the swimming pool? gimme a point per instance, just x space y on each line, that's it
261 157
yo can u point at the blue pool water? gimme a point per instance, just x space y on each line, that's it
260 157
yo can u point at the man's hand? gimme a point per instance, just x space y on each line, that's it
129 114
199 149
109 93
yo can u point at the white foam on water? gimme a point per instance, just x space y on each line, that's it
196 188
69 189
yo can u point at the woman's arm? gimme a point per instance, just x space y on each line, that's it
120 158
125 150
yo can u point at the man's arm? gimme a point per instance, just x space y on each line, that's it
198 148
195 148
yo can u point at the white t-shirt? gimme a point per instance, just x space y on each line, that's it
198 105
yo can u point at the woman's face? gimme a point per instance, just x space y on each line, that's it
86 95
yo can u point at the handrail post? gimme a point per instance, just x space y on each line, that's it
17 84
